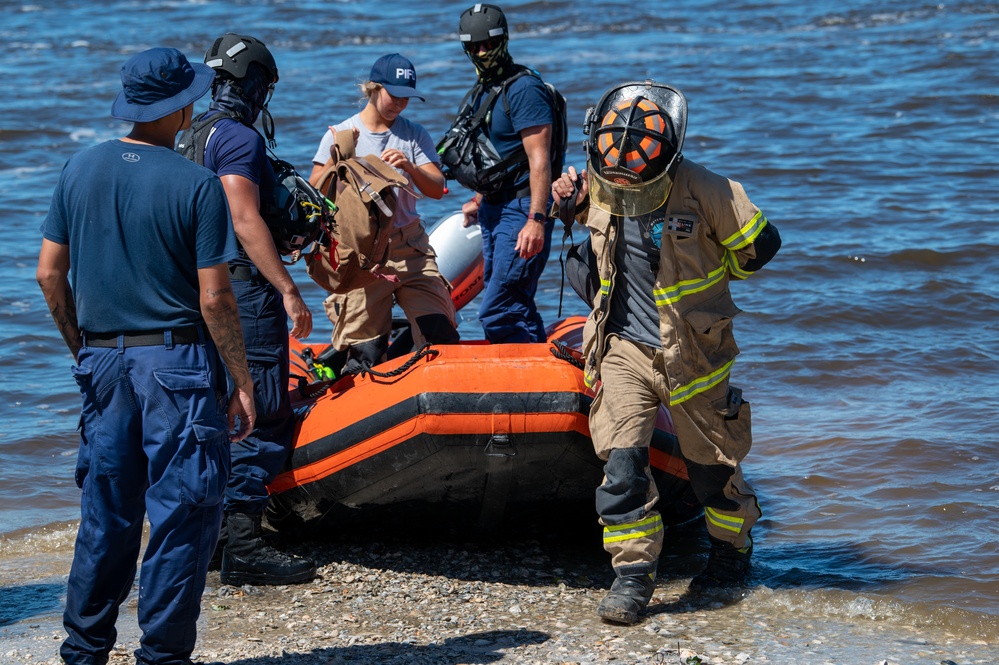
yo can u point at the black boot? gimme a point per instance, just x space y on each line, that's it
366 354
247 559
727 566
437 329
629 595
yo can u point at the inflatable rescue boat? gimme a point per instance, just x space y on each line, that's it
469 431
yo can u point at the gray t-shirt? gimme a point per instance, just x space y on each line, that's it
408 137
633 312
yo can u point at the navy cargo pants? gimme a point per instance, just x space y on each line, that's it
153 442
258 458
508 313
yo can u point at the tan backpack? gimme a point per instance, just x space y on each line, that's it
363 190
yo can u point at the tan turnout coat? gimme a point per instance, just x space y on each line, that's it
709 225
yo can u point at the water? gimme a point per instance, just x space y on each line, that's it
866 131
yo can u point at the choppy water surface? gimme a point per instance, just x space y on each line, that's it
866 131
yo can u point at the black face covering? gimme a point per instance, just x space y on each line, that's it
493 64
246 98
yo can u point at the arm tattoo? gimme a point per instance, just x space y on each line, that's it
222 318
64 315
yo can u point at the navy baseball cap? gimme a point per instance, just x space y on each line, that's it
158 82
396 74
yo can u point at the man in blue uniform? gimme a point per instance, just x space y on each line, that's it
516 231
245 74
133 268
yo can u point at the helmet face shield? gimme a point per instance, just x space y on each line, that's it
635 135
629 200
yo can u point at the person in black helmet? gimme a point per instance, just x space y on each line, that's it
668 235
245 75
516 231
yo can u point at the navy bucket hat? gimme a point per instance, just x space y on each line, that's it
396 74
158 82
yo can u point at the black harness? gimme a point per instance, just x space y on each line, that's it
469 155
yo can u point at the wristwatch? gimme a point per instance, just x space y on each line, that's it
539 217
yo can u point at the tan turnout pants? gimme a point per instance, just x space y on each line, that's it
365 314
622 419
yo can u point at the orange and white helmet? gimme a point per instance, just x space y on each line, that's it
635 135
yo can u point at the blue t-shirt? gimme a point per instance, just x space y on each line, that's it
139 221
530 106
235 149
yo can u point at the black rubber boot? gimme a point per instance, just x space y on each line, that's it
628 596
437 329
366 354
727 566
247 559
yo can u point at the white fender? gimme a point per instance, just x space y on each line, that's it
459 256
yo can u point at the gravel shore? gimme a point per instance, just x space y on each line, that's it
445 601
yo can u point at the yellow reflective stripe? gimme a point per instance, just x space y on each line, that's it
747 233
671 294
632 525
605 286
733 266
724 521
698 386
647 527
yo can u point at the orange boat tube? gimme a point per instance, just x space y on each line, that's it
477 428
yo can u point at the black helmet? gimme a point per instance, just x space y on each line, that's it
299 212
481 23
635 135
232 54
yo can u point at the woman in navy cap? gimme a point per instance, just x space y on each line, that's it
363 317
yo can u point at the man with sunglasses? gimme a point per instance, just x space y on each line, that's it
511 210
245 75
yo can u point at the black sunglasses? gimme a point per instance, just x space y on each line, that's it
489 44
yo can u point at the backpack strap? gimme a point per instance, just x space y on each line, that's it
524 71
194 141
341 149
494 91
519 155
381 169
362 180
343 144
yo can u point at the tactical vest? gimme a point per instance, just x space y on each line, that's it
298 213
469 156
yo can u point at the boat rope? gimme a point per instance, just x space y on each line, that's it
424 350
314 389
317 388
564 352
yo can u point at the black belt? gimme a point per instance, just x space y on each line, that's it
505 195
187 335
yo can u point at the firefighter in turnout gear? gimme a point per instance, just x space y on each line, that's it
668 235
